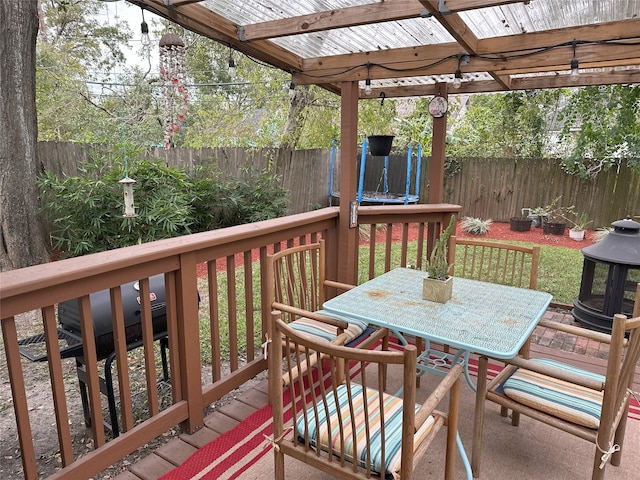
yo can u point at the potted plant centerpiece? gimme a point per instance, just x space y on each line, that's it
438 284
576 232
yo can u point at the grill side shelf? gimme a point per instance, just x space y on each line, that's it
34 348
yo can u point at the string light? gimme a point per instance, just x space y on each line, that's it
292 90
367 86
144 30
575 72
232 65
367 82
457 79
463 59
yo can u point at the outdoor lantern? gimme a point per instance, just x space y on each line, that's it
129 207
172 71
610 273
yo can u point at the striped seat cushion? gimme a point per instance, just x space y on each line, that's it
329 432
564 400
328 332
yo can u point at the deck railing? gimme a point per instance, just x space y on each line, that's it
216 314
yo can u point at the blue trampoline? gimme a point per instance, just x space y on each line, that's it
381 196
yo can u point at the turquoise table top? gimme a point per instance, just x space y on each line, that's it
480 317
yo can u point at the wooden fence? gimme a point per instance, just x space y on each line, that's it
486 188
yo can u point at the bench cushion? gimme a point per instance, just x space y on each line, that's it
564 400
392 427
328 332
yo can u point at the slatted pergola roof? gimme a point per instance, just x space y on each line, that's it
406 47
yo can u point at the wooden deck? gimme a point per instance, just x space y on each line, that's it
561 347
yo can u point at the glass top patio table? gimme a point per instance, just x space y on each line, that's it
485 318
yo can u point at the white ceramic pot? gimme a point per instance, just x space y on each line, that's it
577 235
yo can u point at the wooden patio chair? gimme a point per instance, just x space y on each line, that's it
591 406
332 422
298 288
496 262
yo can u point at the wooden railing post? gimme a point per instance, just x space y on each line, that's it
189 341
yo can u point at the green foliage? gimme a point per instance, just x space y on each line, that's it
601 127
376 117
438 266
251 197
514 124
86 213
76 44
416 128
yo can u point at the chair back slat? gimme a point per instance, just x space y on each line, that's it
496 262
297 278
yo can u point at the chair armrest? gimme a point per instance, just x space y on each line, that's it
430 404
555 373
582 332
312 315
339 285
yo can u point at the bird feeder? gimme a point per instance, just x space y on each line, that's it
129 207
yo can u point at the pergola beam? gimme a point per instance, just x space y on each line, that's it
330 19
557 58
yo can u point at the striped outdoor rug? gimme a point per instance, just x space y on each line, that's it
234 452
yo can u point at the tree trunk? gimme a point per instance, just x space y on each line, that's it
301 99
22 239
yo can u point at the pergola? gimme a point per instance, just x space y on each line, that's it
420 48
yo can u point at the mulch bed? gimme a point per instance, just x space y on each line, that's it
502 231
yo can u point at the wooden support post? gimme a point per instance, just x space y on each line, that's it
436 166
348 237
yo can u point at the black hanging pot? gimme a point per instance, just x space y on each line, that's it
380 145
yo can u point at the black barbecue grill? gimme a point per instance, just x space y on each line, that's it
70 336
69 332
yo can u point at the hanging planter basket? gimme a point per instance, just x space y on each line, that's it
380 145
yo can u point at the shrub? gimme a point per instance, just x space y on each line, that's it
476 226
86 213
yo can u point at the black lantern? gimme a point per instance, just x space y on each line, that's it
610 274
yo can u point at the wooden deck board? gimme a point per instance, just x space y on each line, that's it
254 397
200 438
176 451
219 422
126 475
237 410
151 467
